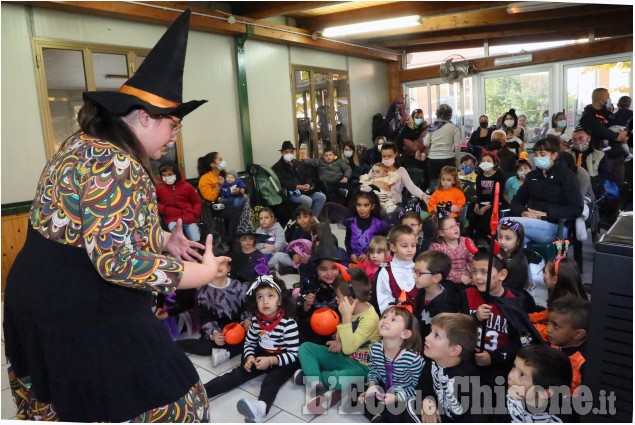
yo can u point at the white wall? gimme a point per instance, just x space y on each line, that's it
368 81
270 104
210 73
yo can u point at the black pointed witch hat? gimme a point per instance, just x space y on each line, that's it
157 86
246 226
326 248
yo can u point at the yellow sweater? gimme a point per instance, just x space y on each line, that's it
358 336
209 187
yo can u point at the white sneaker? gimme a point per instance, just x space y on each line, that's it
629 157
252 410
219 355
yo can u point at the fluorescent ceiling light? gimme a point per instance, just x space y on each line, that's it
533 6
510 60
381 25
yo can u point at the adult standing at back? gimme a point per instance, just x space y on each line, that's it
480 138
444 143
297 179
595 119
410 139
560 128
510 121
82 342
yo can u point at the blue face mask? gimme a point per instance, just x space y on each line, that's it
222 165
542 162
562 123
348 154
467 169
418 121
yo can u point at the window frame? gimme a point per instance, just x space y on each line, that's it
314 129
38 44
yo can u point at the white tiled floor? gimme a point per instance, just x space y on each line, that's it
288 405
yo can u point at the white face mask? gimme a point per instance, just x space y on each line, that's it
169 179
379 148
288 157
509 123
486 166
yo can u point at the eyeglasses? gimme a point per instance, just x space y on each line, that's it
176 124
419 274
451 226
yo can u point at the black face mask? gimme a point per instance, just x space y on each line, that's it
496 144
483 124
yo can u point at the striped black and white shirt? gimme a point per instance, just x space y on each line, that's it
283 340
406 370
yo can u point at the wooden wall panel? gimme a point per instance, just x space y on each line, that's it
13 236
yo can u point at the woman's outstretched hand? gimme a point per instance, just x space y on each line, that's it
180 247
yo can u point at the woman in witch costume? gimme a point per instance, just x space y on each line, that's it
81 339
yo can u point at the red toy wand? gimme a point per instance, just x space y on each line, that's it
493 226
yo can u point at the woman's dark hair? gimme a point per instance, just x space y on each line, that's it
444 111
170 165
568 281
372 198
547 144
353 160
203 164
393 147
96 121
554 119
512 113
567 159
286 303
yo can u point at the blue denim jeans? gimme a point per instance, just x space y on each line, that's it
191 231
315 201
538 231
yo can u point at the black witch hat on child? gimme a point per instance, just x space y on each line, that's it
324 246
245 225
157 86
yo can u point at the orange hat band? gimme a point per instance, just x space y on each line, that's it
148 97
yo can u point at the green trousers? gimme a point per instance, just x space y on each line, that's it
334 370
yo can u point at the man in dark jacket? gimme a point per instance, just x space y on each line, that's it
551 192
596 118
297 180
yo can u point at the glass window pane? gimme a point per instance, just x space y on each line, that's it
527 93
582 80
111 71
65 83
322 110
418 99
342 126
302 97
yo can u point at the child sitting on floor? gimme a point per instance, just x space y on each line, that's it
395 365
396 278
363 226
271 348
346 357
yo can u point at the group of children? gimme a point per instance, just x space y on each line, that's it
414 316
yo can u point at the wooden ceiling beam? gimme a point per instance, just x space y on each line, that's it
214 22
267 9
487 18
417 41
576 51
523 39
393 10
